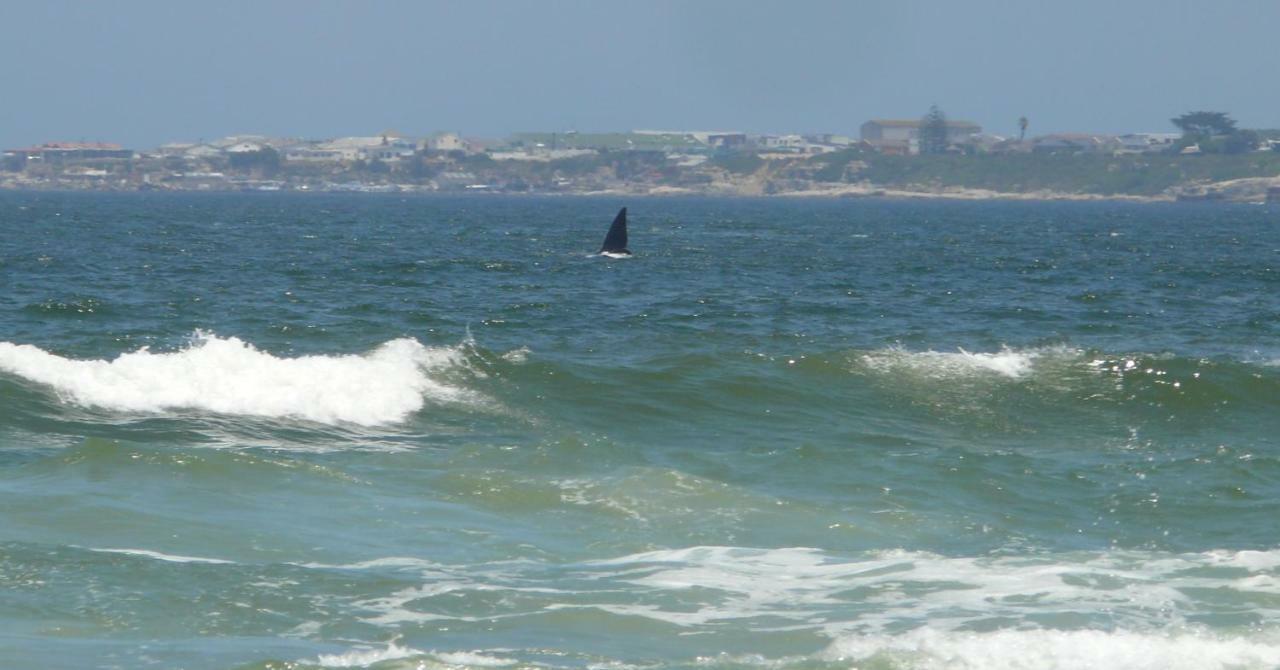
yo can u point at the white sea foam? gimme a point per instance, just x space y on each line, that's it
890 591
398 607
1007 363
520 355
1254 561
929 649
473 659
658 495
395 562
170 558
893 609
229 376
361 658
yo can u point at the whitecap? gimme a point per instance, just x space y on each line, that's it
170 558
517 355
1006 363
230 376
930 649
473 659
360 658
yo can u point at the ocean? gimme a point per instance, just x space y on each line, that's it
293 431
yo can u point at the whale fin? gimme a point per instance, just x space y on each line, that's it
616 241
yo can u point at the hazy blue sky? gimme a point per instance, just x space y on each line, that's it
142 73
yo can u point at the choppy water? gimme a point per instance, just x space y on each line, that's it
294 432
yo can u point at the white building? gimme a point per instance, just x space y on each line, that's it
202 151
233 140
446 142
385 147
898 130
831 140
312 153
784 142
244 148
541 155
174 148
1141 143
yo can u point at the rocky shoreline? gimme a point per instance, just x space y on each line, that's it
1250 190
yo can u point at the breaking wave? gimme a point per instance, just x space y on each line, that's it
230 376
363 658
928 649
367 657
1007 363
1068 374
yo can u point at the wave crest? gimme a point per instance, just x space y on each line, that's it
1009 363
927 649
230 376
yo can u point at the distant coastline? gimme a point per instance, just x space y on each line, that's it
865 192
1255 195
830 193
651 163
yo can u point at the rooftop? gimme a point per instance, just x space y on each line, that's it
71 146
915 123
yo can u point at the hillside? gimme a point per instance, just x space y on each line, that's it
1134 175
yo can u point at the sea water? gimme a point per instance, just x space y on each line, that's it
296 431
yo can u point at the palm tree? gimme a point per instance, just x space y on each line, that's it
1022 128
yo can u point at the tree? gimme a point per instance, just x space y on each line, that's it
419 167
1214 133
1239 142
1022 128
933 132
264 161
1205 124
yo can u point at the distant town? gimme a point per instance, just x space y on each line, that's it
1207 159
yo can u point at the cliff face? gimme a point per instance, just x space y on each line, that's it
1253 189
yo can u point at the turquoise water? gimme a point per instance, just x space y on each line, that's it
274 431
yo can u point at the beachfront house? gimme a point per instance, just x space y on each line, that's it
387 147
1142 143
1074 143
784 142
908 130
62 152
445 142
726 140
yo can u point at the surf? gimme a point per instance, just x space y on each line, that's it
226 375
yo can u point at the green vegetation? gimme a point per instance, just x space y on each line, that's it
738 162
476 162
1207 124
835 166
933 132
265 160
1215 133
623 164
1142 174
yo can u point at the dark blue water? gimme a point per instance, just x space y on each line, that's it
290 431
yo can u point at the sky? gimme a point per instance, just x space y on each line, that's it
143 73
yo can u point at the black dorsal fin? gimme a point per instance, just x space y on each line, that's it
616 241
